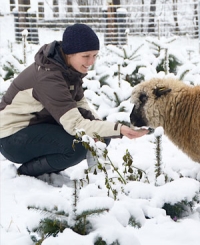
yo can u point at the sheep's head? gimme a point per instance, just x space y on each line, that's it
149 99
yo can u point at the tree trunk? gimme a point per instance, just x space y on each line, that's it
196 19
41 10
142 15
12 5
23 8
55 8
83 3
151 26
24 5
84 11
175 9
25 20
69 6
116 2
111 35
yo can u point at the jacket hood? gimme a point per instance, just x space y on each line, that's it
49 55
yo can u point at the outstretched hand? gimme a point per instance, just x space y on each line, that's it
131 133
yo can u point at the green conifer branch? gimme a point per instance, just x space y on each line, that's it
158 157
91 212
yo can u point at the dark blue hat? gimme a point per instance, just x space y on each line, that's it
79 38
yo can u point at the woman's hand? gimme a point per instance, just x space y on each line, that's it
131 133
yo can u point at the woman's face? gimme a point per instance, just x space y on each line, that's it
81 62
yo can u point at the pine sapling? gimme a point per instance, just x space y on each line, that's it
158 152
180 209
158 165
166 62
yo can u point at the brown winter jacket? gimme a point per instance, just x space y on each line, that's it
48 91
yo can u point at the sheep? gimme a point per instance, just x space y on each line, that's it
173 105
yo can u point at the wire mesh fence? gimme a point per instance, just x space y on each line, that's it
114 21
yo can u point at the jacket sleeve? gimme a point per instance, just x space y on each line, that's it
73 120
56 98
83 104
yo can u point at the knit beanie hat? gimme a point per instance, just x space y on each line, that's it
79 38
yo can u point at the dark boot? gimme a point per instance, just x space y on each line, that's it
36 167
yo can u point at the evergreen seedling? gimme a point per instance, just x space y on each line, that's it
57 221
167 61
159 169
132 222
10 67
51 227
158 152
158 165
180 209
99 241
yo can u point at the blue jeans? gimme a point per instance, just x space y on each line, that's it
43 140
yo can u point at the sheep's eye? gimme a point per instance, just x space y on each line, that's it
143 98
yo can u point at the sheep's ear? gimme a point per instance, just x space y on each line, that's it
159 91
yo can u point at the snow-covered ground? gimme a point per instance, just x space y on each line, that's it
142 200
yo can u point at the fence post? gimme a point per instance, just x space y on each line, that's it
199 23
110 15
26 20
33 29
16 25
121 19
20 24
111 35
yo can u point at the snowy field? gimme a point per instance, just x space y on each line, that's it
142 200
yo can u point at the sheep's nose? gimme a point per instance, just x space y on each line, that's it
132 114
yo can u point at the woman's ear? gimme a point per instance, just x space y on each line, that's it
67 58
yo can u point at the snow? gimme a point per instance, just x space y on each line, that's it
159 131
142 199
